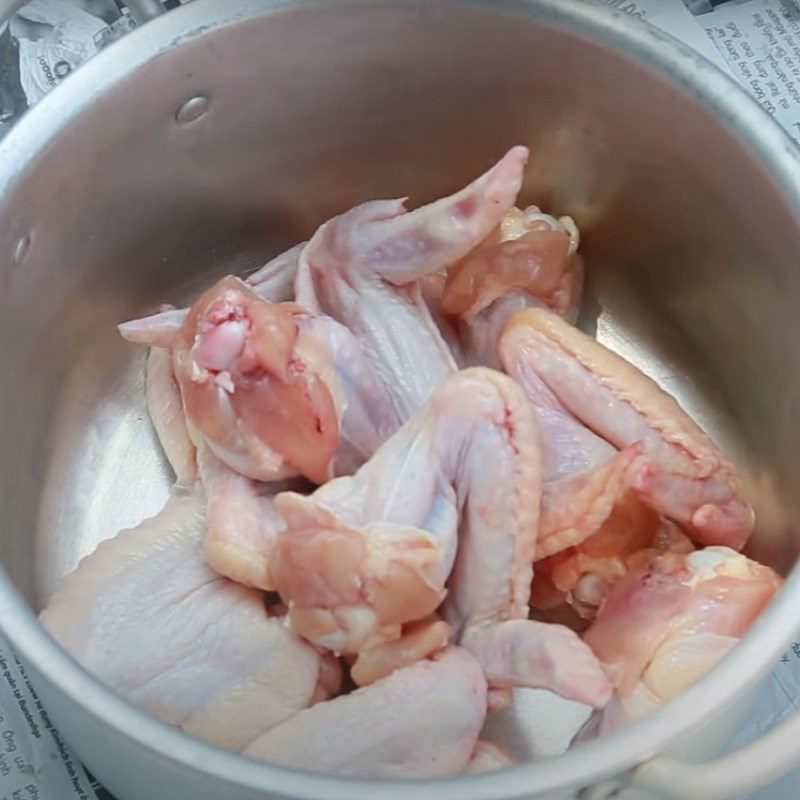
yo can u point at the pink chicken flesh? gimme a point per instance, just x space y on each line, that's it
687 478
666 624
530 251
364 556
530 260
254 386
582 575
238 359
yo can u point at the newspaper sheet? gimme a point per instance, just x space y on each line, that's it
760 41
755 41
35 763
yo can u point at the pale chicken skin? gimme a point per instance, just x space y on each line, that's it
269 393
419 722
165 405
411 517
585 477
398 516
365 555
362 268
687 478
669 622
242 521
147 616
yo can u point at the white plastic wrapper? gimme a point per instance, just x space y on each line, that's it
755 41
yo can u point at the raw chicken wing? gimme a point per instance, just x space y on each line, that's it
238 359
256 386
420 722
530 260
584 476
362 268
669 622
687 478
367 553
146 615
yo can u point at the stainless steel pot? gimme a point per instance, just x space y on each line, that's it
223 132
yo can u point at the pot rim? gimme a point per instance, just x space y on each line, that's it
582 766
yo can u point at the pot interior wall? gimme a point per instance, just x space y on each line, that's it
690 247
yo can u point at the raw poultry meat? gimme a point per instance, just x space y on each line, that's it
418 640
488 757
273 282
165 406
582 575
412 565
431 288
256 386
364 555
240 516
362 268
396 520
584 476
269 392
687 478
537 655
276 392
148 616
241 520
669 622
419 722
529 260
241 363
530 251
